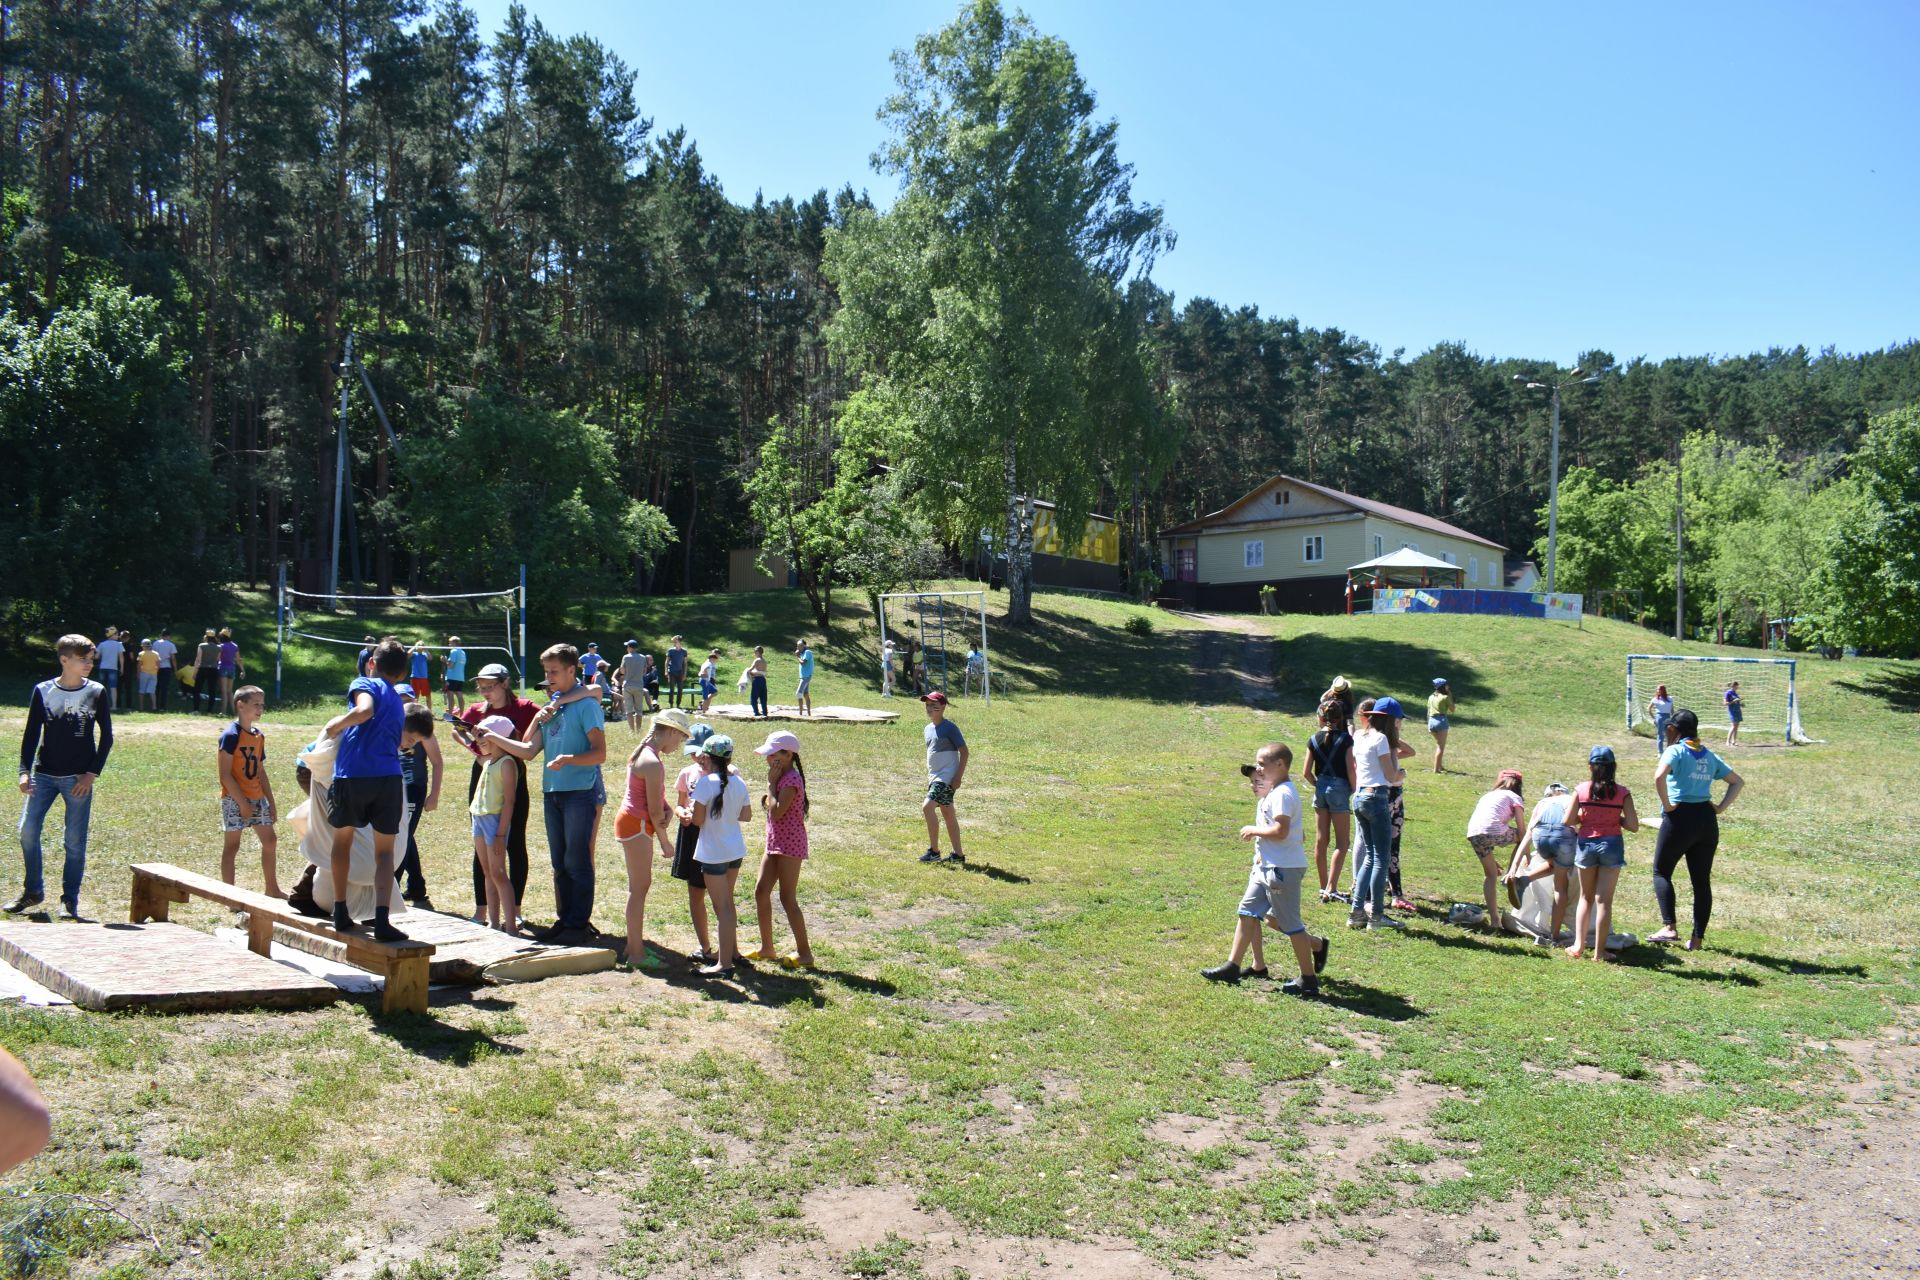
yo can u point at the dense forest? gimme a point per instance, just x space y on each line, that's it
585 345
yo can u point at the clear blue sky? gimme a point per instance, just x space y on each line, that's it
1529 179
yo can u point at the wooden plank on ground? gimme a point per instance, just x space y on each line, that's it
163 967
467 953
839 715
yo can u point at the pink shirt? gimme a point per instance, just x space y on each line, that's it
788 835
1495 813
1599 818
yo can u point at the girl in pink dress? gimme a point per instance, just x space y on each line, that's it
786 805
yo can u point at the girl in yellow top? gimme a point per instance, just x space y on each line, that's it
1439 707
492 811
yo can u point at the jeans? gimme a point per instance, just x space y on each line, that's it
569 845
1690 831
1373 814
33 815
759 695
161 686
1659 733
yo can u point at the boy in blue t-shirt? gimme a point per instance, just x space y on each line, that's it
456 664
367 790
804 696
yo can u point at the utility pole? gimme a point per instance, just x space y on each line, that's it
1553 465
1679 554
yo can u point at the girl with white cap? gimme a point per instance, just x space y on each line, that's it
787 805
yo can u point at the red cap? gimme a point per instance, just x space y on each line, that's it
937 698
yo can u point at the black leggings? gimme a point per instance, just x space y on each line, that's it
1690 831
516 841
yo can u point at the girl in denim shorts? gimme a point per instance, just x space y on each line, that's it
1601 810
1330 774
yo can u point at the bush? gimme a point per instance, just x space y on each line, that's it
1139 624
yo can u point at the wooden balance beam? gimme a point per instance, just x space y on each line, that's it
404 965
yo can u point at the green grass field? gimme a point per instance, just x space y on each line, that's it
1013 1043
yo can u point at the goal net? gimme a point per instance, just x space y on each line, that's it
939 642
490 625
1769 701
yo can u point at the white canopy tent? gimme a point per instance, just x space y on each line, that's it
1405 567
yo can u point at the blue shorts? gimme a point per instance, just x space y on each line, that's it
717 870
1436 724
1555 842
599 789
1603 851
486 827
1332 794
110 678
804 685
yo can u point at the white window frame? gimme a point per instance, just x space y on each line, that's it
1253 553
1379 546
1313 548
1473 570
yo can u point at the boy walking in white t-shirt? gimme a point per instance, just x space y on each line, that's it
1279 870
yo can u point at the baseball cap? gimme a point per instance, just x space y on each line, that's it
498 725
780 740
633 644
1556 788
719 746
1602 754
1439 682
937 698
1510 773
697 739
1389 707
494 671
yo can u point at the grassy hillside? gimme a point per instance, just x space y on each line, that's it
1005 1041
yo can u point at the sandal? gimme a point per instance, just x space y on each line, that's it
1668 934
763 953
795 962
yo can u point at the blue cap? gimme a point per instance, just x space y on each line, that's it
1439 682
697 740
1389 707
633 644
1602 754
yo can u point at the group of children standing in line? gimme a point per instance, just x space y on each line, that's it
1356 774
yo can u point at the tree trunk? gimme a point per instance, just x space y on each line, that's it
1019 545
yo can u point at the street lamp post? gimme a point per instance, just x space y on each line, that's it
1553 465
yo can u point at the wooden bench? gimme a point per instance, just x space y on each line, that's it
403 964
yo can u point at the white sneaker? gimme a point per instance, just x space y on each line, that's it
1357 920
1385 922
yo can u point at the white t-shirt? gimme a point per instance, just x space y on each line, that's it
1289 850
721 839
167 650
1372 759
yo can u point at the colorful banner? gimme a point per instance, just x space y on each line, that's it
1558 606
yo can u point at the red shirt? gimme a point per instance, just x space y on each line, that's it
1600 818
518 710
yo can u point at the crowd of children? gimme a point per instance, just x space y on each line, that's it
1578 838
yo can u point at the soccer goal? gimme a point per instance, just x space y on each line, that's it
1768 699
492 625
946 634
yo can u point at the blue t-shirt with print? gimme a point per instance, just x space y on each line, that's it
806 664
1691 774
371 749
456 664
566 735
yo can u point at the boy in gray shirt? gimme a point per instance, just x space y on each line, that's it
946 766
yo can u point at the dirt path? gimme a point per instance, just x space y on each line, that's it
1231 662
1829 1196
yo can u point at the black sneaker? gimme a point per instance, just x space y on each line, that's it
1320 954
25 902
421 903
956 856
547 934
931 855
1301 986
1228 972
1253 973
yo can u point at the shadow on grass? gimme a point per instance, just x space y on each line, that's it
1369 1002
1663 961
1487 942
428 1037
1800 968
991 872
1377 666
755 982
1900 690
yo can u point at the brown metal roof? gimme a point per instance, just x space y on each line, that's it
1385 510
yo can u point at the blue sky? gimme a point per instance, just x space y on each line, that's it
1531 180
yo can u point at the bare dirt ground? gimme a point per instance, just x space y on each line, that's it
1828 1196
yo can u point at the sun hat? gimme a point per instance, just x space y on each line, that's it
697 739
719 746
779 740
676 719
1602 754
498 725
1389 707
1341 683
494 671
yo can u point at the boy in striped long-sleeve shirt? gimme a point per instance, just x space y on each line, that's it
69 733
